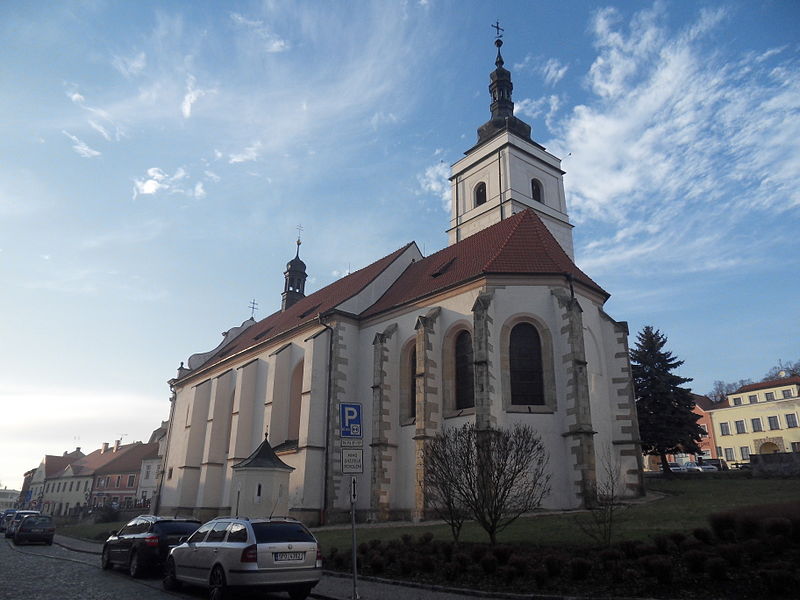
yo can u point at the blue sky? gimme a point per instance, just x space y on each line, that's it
156 158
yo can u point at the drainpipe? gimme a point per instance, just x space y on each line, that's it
326 468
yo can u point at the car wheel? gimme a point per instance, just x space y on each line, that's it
16 540
135 566
218 588
105 559
300 593
50 542
170 581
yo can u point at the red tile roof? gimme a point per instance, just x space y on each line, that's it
704 402
97 459
129 461
761 385
519 245
53 465
304 310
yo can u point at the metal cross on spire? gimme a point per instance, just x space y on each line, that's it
253 306
299 232
498 29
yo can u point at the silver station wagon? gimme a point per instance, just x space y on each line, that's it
277 554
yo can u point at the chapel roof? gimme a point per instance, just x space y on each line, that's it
263 457
518 245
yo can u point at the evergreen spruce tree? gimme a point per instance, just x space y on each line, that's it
666 422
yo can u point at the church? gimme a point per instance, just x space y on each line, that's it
335 394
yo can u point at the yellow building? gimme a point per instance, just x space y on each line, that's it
760 418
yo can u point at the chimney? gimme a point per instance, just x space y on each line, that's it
65 453
104 449
77 449
116 445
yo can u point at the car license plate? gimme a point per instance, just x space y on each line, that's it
284 556
36 530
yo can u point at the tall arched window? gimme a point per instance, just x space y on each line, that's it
464 371
525 353
411 399
295 402
480 194
536 190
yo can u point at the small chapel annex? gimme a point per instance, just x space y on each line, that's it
497 328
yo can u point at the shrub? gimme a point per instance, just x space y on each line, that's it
663 544
695 561
717 568
747 526
374 544
462 559
339 561
489 564
579 568
363 548
106 514
540 576
519 564
426 565
702 534
332 551
755 549
777 526
630 548
425 538
502 554
778 581
553 564
451 571
610 555
376 564
478 552
677 538
723 525
407 538
407 567
506 574
731 553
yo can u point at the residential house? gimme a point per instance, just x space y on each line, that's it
117 481
759 418
50 467
8 498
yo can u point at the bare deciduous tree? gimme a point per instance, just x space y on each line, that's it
600 523
493 475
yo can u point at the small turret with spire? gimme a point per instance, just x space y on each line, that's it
502 107
295 280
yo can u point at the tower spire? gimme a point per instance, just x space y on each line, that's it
294 277
501 107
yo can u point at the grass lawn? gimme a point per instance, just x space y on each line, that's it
687 502
90 531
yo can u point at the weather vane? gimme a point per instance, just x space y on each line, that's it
253 306
299 232
498 29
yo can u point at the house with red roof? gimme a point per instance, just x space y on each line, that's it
498 328
50 467
116 482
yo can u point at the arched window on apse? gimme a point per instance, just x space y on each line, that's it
536 190
480 194
465 371
527 377
295 402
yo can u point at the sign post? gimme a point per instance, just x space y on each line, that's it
353 497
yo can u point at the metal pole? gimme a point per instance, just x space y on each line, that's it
353 524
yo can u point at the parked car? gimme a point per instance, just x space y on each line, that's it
5 517
717 462
277 554
35 528
699 467
676 467
144 542
11 526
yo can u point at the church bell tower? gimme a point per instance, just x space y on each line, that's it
295 280
506 171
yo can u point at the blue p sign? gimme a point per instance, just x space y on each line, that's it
350 420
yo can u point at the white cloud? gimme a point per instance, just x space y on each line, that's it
132 66
249 154
267 40
553 71
192 95
678 146
212 176
381 118
435 180
100 129
81 147
199 190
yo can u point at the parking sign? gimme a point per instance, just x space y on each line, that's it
350 420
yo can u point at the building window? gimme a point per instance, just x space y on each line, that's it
703 431
795 446
724 429
525 353
411 374
70 486
131 480
787 393
737 401
752 398
745 452
169 473
770 396
773 423
791 420
147 471
480 194
719 450
116 482
295 402
729 454
108 480
536 190
86 486
756 423
740 427
465 371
